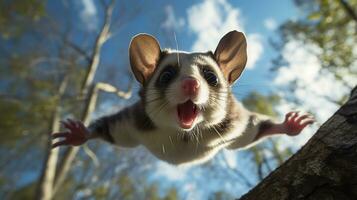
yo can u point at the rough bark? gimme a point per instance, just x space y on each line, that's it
325 168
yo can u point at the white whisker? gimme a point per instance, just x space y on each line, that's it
220 136
178 57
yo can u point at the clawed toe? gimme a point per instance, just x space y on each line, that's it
295 122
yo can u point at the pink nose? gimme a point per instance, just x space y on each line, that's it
190 86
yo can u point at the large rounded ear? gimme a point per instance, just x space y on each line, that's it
231 55
144 54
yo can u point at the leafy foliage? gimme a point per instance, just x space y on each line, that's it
16 16
266 156
257 102
331 25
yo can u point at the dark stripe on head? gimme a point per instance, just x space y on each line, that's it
148 124
210 54
172 69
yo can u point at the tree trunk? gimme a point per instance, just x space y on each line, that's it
50 178
325 168
47 176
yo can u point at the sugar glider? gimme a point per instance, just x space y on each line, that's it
186 112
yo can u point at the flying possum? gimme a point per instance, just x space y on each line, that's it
187 112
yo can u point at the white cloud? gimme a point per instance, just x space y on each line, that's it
88 14
231 158
254 49
172 22
270 24
171 172
313 86
211 19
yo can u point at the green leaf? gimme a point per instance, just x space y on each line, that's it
314 16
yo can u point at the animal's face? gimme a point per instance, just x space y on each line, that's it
186 89
183 90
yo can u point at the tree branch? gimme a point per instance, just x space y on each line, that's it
106 87
78 49
325 168
238 173
100 40
87 85
70 153
47 176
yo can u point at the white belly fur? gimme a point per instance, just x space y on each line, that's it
174 149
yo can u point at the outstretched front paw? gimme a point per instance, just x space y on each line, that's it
295 122
75 135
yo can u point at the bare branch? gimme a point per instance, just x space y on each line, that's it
45 187
65 38
70 153
91 102
91 91
91 155
64 167
238 173
101 39
78 49
13 98
111 89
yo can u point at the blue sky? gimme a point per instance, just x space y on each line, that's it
198 25
258 19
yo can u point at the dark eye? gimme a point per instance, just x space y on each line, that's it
167 75
210 77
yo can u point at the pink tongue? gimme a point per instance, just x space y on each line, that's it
187 113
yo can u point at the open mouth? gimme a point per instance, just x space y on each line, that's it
187 113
